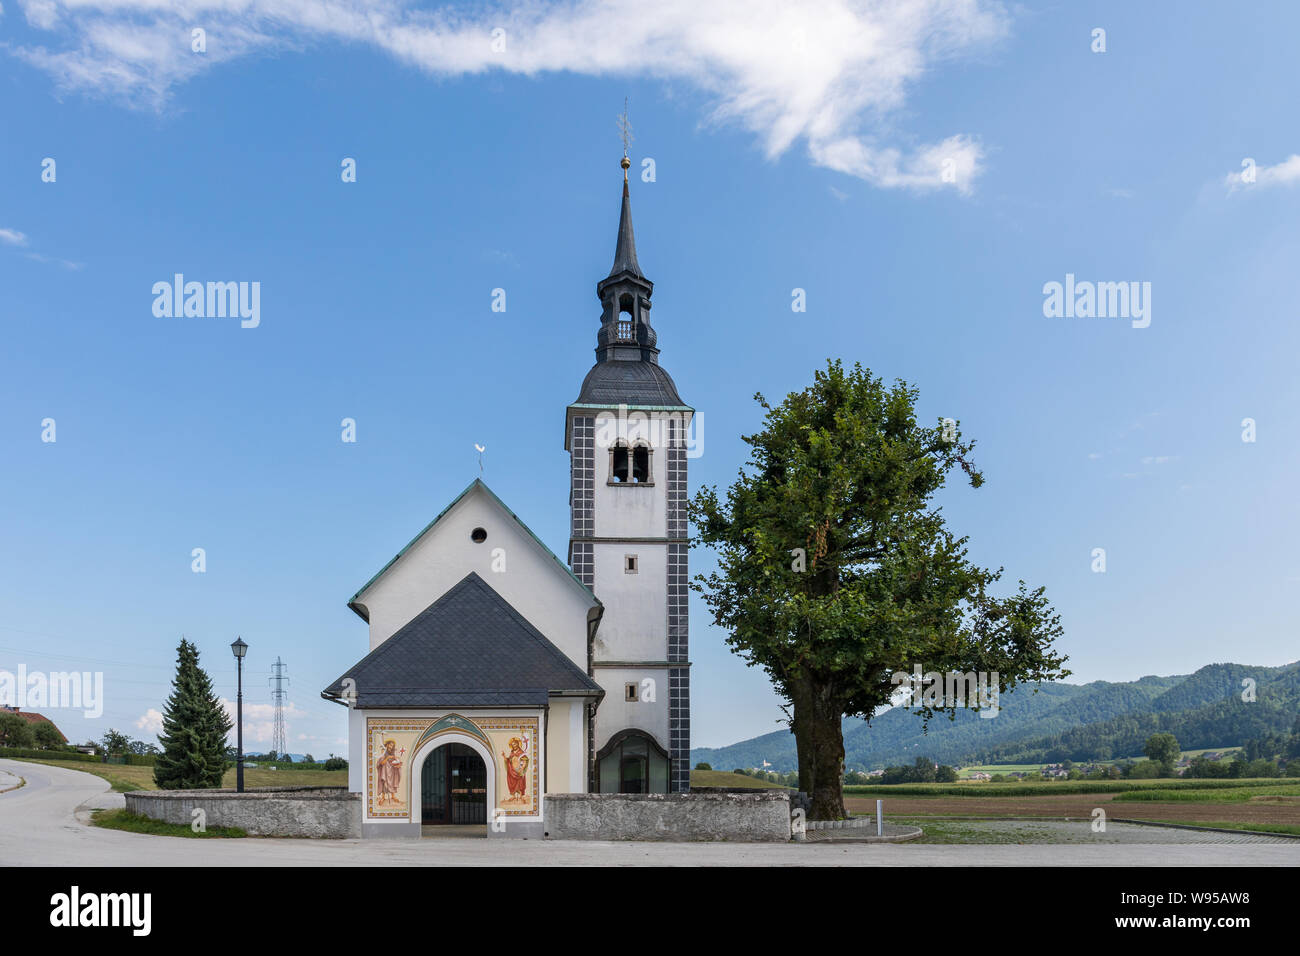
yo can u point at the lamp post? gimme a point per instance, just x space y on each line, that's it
240 649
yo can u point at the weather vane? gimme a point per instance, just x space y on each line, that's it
625 128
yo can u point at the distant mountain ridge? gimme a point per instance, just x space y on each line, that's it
1080 722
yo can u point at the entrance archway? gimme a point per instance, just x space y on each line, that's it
454 782
453 787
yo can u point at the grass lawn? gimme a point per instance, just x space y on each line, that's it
725 778
123 777
135 823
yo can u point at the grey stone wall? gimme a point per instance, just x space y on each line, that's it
762 817
270 811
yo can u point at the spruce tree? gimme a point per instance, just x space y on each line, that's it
194 729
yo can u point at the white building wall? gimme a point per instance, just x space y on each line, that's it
616 714
635 624
532 581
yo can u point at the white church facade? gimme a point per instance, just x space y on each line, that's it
498 673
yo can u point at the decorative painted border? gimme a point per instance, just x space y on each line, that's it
429 728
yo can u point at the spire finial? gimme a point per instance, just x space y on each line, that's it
625 128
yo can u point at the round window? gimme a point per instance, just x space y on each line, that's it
478 535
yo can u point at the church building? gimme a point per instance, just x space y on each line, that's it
496 672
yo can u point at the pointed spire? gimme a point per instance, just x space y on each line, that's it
625 253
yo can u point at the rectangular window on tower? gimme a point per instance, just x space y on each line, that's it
629 564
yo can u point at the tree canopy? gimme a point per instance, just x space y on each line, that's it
836 569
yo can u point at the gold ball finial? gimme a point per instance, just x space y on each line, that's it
625 163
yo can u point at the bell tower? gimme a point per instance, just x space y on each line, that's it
626 438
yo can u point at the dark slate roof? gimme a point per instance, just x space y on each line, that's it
625 252
629 383
468 648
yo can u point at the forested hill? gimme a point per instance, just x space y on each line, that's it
1096 721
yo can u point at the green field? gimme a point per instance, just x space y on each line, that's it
123 778
724 778
965 772
1021 788
1256 790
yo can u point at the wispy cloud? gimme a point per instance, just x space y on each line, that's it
55 260
830 74
13 237
1285 173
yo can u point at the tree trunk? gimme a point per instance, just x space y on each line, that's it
826 742
800 723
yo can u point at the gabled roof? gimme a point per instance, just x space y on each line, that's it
468 648
477 483
31 717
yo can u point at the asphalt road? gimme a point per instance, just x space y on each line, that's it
45 824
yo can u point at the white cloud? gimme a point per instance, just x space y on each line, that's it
151 722
1285 173
259 720
827 73
13 237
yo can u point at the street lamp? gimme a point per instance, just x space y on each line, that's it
240 649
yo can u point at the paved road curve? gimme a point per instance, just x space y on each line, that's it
40 825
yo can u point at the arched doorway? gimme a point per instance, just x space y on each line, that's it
632 762
454 787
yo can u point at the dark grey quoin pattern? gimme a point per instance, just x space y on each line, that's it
679 678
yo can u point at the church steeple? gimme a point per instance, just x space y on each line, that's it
626 434
625 251
626 334
627 369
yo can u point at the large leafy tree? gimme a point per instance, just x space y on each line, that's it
194 729
1163 749
15 731
836 569
115 742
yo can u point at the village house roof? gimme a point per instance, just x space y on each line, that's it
469 648
31 717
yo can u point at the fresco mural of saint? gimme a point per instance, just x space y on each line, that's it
516 763
389 774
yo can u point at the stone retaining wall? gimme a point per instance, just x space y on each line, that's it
266 811
762 817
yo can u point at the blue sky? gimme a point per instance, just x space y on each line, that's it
793 148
